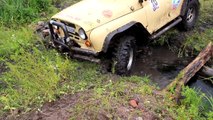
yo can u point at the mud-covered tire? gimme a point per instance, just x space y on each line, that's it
124 56
191 15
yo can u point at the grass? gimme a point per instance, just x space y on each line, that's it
27 72
18 12
194 106
203 32
11 41
36 75
194 41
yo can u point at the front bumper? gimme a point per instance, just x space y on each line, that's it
66 42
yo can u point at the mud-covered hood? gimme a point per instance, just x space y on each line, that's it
89 14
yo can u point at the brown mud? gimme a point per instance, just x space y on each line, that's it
163 63
160 64
64 108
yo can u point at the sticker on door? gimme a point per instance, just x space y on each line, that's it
175 4
155 4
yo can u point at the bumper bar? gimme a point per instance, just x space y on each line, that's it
77 49
58 24
78 52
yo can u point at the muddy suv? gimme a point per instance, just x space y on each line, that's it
94 29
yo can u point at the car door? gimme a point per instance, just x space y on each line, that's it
176 6
157 12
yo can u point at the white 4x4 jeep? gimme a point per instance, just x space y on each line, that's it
94 28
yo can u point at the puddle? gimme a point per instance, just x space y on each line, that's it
204 86
163 65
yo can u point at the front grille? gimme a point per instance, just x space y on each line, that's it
72 33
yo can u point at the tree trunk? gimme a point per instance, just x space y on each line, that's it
207 71
188 72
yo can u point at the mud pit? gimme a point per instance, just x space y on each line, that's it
162 66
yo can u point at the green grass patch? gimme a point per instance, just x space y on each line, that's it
11 41
203 32
31 79
194 106
18 12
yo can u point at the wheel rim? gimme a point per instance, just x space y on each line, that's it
190 15
130 60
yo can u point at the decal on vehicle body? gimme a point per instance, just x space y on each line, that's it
73 17
107 13
154 4
175 4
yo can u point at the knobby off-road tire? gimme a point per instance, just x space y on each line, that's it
191 16
124 56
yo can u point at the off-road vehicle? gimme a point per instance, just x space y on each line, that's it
112 28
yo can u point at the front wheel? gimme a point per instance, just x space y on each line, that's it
124 56
191 15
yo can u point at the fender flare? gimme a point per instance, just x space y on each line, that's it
122 29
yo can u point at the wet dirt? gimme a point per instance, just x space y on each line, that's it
57 110
201 84
62 109
162 65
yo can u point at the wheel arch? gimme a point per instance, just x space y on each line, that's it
133 28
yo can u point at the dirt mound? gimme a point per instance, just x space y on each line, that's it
57 110
69 107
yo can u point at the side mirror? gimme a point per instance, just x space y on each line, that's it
140 1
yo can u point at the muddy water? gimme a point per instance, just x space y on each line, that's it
162 66
202 85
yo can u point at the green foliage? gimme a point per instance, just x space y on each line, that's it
193 106
22 11
33 78
210 115
199 40
165 37
11 41
206 12
203 32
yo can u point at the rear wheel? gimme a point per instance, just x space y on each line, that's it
190 16
124 56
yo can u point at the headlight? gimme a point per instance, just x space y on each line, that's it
82 34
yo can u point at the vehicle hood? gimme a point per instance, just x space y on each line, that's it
90 14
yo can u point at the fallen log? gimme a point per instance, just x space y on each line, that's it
188 72
207 71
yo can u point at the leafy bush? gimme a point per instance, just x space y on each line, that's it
22 11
